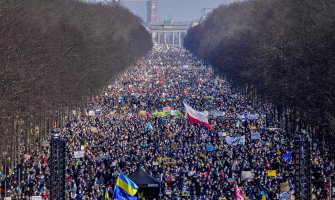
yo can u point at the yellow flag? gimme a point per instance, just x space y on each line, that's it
107 195
263 197
279 152
85 144
272 173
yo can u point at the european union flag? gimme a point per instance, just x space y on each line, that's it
125 188
148 127
287 156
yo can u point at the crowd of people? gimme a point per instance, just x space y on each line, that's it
140 121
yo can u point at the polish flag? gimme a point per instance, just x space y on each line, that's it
238 193
196 116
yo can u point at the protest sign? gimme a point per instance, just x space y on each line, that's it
78 154
26 157
174 112
91 113
36 198
166 108
284 187
45 143
247 175
284 196
235 140
255 136
230 180
272 173
222 134
94 129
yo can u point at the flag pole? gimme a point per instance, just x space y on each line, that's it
330 188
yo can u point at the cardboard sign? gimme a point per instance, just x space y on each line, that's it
247 175
94 129
284 187
26 157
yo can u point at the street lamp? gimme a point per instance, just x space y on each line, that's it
4 153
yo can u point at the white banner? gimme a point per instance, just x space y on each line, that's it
45 143
247 175
174 112
273 129
91 113
36 198
78 154
256 136
235 140
216 113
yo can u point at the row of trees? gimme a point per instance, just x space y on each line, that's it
53 55
278 51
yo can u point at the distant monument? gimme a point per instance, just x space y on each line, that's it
152 12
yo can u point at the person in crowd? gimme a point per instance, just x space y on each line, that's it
141 121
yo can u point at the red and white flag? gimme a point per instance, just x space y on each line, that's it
238 193
196 116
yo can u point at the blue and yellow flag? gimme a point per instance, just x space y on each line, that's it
124 188
107 195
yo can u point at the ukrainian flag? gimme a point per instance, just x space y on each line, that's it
107 195
124 188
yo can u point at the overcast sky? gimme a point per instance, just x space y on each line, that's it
178 10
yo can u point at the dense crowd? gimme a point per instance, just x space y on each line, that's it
140 120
